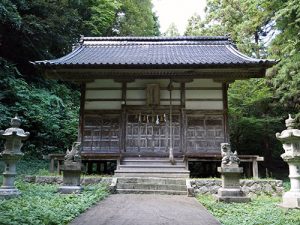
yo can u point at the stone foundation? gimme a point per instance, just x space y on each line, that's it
250 187
200 186
59 180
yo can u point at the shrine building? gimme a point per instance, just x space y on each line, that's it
152 99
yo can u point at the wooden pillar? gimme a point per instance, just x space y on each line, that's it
124 94
90 167
123 122
254 168
225 111
105 167
99 167
59 163
249 169
182 94
182 119
51 169
81 112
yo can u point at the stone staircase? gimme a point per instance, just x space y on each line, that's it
151 167
154 185
151 176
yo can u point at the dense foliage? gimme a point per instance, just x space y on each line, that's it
262 29
41 204
38 30
262 210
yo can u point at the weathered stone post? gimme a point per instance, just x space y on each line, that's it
230 172
72 171
290 139
12 153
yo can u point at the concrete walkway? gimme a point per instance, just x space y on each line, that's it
135 209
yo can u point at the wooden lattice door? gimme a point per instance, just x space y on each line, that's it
150 134
204 133
102 134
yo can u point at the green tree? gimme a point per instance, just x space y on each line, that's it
285 77
172 31
32 30
100 17
136 18
195 26
253 122
50 114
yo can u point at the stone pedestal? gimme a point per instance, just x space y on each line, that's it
8 189
230 173
72 171
11 154
290 139
231 190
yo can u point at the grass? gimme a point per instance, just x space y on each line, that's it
262 210
41 204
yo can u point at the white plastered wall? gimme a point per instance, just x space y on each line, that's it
103 99
195 99
210 99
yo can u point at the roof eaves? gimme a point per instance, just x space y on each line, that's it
250 59
154 66
60 60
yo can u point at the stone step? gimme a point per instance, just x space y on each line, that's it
154 167
146 186
151 158
159 192
150 162
154 180
150 174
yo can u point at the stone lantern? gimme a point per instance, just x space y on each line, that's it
12 153
290 139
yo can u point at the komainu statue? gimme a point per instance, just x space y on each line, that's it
229 158
74 154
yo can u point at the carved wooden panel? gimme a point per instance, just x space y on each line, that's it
204 133
153 95
145 133
102 133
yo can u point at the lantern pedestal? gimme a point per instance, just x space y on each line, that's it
11 155
290 139
291 199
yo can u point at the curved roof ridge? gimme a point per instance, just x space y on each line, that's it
158 38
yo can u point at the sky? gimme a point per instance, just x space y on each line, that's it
177 11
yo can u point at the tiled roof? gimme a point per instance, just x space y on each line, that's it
157 51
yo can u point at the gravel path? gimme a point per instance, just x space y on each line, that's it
138 209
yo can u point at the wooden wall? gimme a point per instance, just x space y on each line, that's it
112 124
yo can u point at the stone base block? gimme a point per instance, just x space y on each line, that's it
7 193
234 192
233 199
291 200
70 189
232 195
